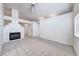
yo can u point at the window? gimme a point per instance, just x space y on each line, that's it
76 23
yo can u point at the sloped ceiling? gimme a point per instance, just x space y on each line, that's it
41 9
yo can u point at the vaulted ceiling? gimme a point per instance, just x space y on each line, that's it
41 9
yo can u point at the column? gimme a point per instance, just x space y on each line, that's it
30 30
35 29
25 29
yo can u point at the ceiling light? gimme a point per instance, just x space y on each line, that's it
41 18
53 15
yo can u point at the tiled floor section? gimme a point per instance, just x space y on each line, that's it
36 47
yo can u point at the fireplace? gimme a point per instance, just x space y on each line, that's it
13 30
14 35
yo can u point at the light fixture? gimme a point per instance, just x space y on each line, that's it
41 18
34 7
53 14
33 10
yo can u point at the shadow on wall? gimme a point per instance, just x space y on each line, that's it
58 28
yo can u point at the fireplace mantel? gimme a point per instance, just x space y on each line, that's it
13 27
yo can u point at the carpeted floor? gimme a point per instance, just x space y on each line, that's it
36 47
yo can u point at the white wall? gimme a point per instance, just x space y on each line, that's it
76 40
1 26
35 29
76 45
58 28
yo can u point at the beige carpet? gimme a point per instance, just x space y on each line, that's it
36 47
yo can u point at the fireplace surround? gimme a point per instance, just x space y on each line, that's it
13 30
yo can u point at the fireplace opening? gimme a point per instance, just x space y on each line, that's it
15 35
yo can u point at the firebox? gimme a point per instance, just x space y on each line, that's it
14 35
